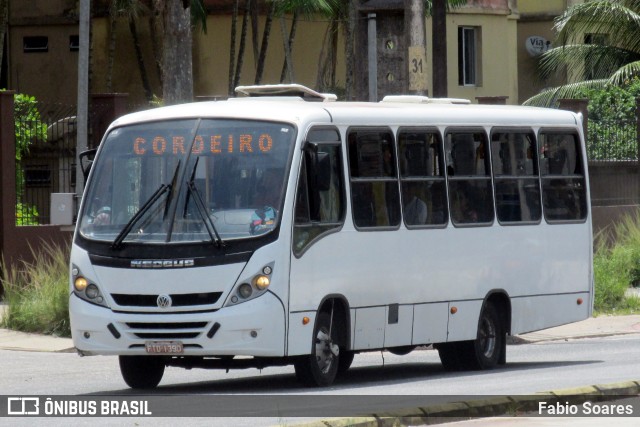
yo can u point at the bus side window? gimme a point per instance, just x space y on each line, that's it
424 195
375 197
563 183
320 196
469 176
515 171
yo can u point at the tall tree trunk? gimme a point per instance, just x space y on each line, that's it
326 78
154 24
254 11
113 21
439 46
232 46
177 61
148 93
287 66
349 47
4 24
265 44
241 48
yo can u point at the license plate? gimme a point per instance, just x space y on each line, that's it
163 347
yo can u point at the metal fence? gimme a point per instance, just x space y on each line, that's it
45 158
612 141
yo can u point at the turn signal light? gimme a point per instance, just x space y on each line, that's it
454 310
579 301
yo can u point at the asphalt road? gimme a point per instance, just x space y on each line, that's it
384 377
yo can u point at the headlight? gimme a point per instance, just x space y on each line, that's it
245 290
80 284
251 287
92 291
261 282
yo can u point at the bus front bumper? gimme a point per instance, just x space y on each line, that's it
253 328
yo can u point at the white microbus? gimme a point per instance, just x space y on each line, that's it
274 230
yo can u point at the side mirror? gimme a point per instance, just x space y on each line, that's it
86 161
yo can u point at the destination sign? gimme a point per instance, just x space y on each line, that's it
203 144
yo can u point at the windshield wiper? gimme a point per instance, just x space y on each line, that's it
202 209
164 188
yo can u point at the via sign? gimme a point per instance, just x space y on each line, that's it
537 45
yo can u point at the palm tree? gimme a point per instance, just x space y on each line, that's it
600 38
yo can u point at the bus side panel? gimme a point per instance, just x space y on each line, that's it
557 309
370 325
430 323
299 337
399 321
463 322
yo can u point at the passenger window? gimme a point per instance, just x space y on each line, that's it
515 172
374 180
320 200
424 194
469 175
563 182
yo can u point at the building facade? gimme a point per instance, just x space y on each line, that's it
491 49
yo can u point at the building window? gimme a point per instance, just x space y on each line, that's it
34 44
468 56
74 43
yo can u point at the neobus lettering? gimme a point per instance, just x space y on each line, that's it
243 143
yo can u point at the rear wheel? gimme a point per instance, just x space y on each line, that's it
487 347
482 353
142 371
321 366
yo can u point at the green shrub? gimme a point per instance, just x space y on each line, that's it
616 267
37 293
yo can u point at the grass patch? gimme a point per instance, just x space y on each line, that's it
37 293
616 268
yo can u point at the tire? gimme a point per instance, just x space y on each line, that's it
482 353
319 368
143 372
490 340
451 355
345 360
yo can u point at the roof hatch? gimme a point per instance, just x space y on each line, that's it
285 90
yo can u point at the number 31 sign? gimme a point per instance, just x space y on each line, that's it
417 68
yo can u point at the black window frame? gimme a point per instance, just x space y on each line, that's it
581 177
455 178
318 229
425 178
516 177
391 182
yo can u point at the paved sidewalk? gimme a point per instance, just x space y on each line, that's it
591 328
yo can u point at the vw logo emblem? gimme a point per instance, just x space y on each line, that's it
164 301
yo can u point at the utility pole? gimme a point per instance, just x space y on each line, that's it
416 46
439 43
82 116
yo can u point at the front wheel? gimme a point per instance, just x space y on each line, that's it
321 366
142 371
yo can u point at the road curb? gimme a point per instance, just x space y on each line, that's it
490 407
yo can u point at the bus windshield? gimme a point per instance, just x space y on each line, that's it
181 181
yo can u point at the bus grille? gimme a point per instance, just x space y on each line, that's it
178 300
163 331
